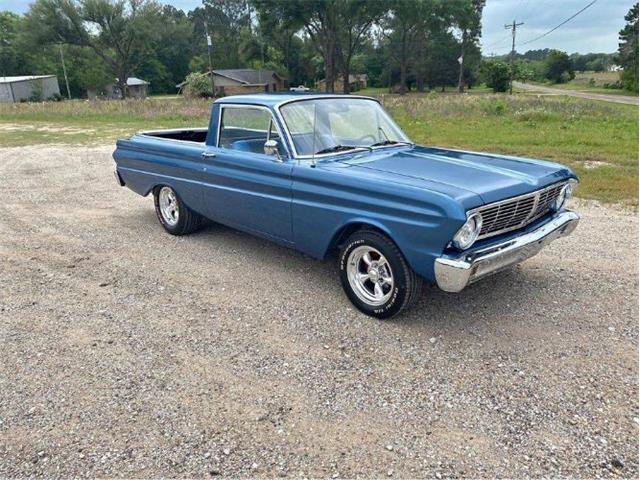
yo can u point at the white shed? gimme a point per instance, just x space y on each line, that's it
16 89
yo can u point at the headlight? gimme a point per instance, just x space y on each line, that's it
564 196
469 232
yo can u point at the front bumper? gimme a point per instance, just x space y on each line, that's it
454 272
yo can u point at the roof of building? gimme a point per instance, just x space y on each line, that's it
245 76
272 99
23 78
132 81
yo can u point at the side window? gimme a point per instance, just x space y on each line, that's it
246 129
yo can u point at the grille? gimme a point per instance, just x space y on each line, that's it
517 212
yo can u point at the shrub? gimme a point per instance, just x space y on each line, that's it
617 85
197 85
558 67
36 91
496 75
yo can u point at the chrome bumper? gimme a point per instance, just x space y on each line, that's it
453 273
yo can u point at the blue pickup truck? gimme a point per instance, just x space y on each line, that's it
334 173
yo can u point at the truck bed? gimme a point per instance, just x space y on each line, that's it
198 135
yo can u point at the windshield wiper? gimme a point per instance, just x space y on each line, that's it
390 142
336 148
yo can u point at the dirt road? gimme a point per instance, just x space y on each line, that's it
130 353
629 100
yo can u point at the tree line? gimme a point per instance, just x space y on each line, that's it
419 43
400 44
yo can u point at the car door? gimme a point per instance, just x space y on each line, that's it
243 186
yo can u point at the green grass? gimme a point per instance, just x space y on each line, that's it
598 140
479 89
583 83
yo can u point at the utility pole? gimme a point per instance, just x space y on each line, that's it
262 60
209 44
513 28
64 71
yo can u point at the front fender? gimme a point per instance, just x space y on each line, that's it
420 222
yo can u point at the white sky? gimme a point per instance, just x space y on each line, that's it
594 30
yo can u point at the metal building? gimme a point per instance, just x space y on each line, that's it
17 89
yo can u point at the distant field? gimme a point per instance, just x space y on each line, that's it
582 82
598 140
384 90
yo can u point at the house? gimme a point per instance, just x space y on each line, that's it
357 81
136 87
28 87
237 81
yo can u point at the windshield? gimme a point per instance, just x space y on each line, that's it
331 125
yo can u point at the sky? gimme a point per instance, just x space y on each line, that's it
594 30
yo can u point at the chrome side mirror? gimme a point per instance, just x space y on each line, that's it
271 149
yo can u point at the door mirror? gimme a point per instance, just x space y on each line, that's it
271 148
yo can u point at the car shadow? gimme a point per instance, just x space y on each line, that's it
504 294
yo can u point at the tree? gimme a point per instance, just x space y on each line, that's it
318 19
401 27
468 19
628 50
355 18
558 68
441 67
225 21
10 55
496 75
169 63
280 33
121 33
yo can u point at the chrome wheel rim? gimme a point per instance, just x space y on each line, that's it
169 206
370 275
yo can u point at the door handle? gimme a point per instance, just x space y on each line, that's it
208 155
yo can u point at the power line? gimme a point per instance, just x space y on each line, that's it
501 40
558 26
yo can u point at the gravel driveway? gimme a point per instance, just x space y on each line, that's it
127 352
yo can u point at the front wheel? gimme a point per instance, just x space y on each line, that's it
375 276
173 214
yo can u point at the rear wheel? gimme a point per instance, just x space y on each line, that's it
173 214
375 276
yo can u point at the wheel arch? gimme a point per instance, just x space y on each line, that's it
344 231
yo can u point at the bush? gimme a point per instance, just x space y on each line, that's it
617 85
36 91
495 75
629 79
558 67
197 85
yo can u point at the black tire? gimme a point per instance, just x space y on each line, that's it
187 220
398 295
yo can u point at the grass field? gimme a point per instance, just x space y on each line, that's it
598 140
583 83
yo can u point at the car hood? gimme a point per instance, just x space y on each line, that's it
490 177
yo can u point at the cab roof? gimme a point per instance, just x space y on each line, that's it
273 99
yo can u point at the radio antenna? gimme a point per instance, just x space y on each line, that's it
313 145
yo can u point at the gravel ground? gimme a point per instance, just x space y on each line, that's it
127 352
